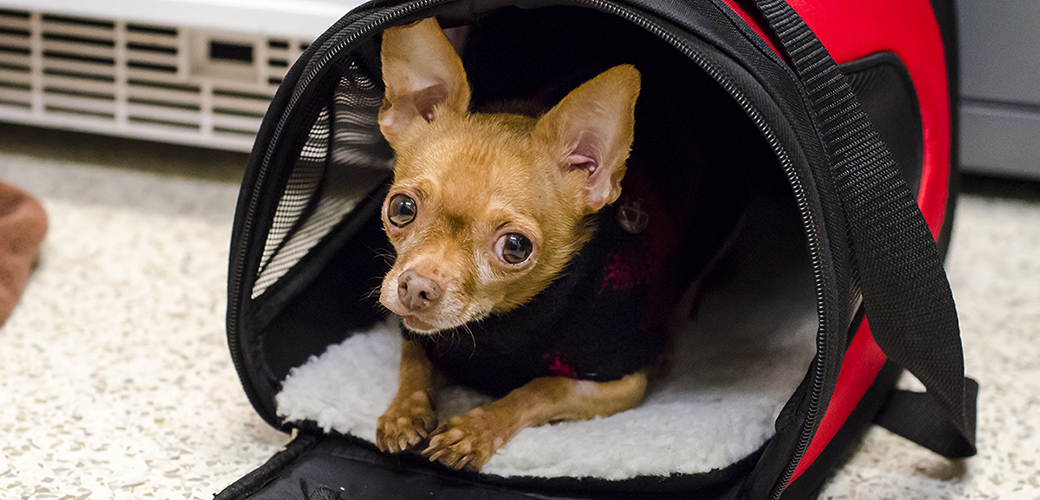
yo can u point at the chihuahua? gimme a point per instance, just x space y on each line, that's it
487 213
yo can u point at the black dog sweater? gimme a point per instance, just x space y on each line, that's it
602 319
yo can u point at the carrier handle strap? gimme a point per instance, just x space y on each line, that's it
906 294
915 416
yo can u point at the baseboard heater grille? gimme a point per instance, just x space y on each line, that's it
174 84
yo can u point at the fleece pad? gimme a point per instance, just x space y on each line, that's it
734 367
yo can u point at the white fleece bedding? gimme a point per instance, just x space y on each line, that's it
735 367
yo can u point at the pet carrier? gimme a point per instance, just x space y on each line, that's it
807 144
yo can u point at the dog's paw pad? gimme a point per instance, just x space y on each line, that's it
406 423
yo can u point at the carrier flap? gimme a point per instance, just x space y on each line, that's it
322 467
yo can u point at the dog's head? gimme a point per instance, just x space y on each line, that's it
487 209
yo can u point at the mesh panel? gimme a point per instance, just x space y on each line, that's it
344 158
358 142
299 192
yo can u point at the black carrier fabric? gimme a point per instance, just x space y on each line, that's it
727 117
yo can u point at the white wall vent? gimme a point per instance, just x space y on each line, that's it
181 84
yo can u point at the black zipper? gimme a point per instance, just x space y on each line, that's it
801 198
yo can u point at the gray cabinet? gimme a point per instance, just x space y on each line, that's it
1000 87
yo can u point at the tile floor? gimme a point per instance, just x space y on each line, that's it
115 381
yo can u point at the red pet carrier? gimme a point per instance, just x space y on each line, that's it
811 144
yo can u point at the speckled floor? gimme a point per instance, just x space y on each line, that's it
115 381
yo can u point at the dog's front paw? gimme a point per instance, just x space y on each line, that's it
469 440
406 423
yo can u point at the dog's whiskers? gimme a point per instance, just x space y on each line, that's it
472 337
374 294
387 256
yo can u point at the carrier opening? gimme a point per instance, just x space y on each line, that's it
331 353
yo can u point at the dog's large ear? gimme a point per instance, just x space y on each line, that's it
591 131
423 76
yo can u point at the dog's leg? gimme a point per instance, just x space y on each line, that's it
410 417
469 440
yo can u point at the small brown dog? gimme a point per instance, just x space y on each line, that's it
485 212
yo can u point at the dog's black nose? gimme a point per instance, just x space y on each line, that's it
416 291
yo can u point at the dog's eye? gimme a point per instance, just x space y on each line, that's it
401 210
515 248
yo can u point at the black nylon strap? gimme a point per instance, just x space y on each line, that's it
915 416
905 291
